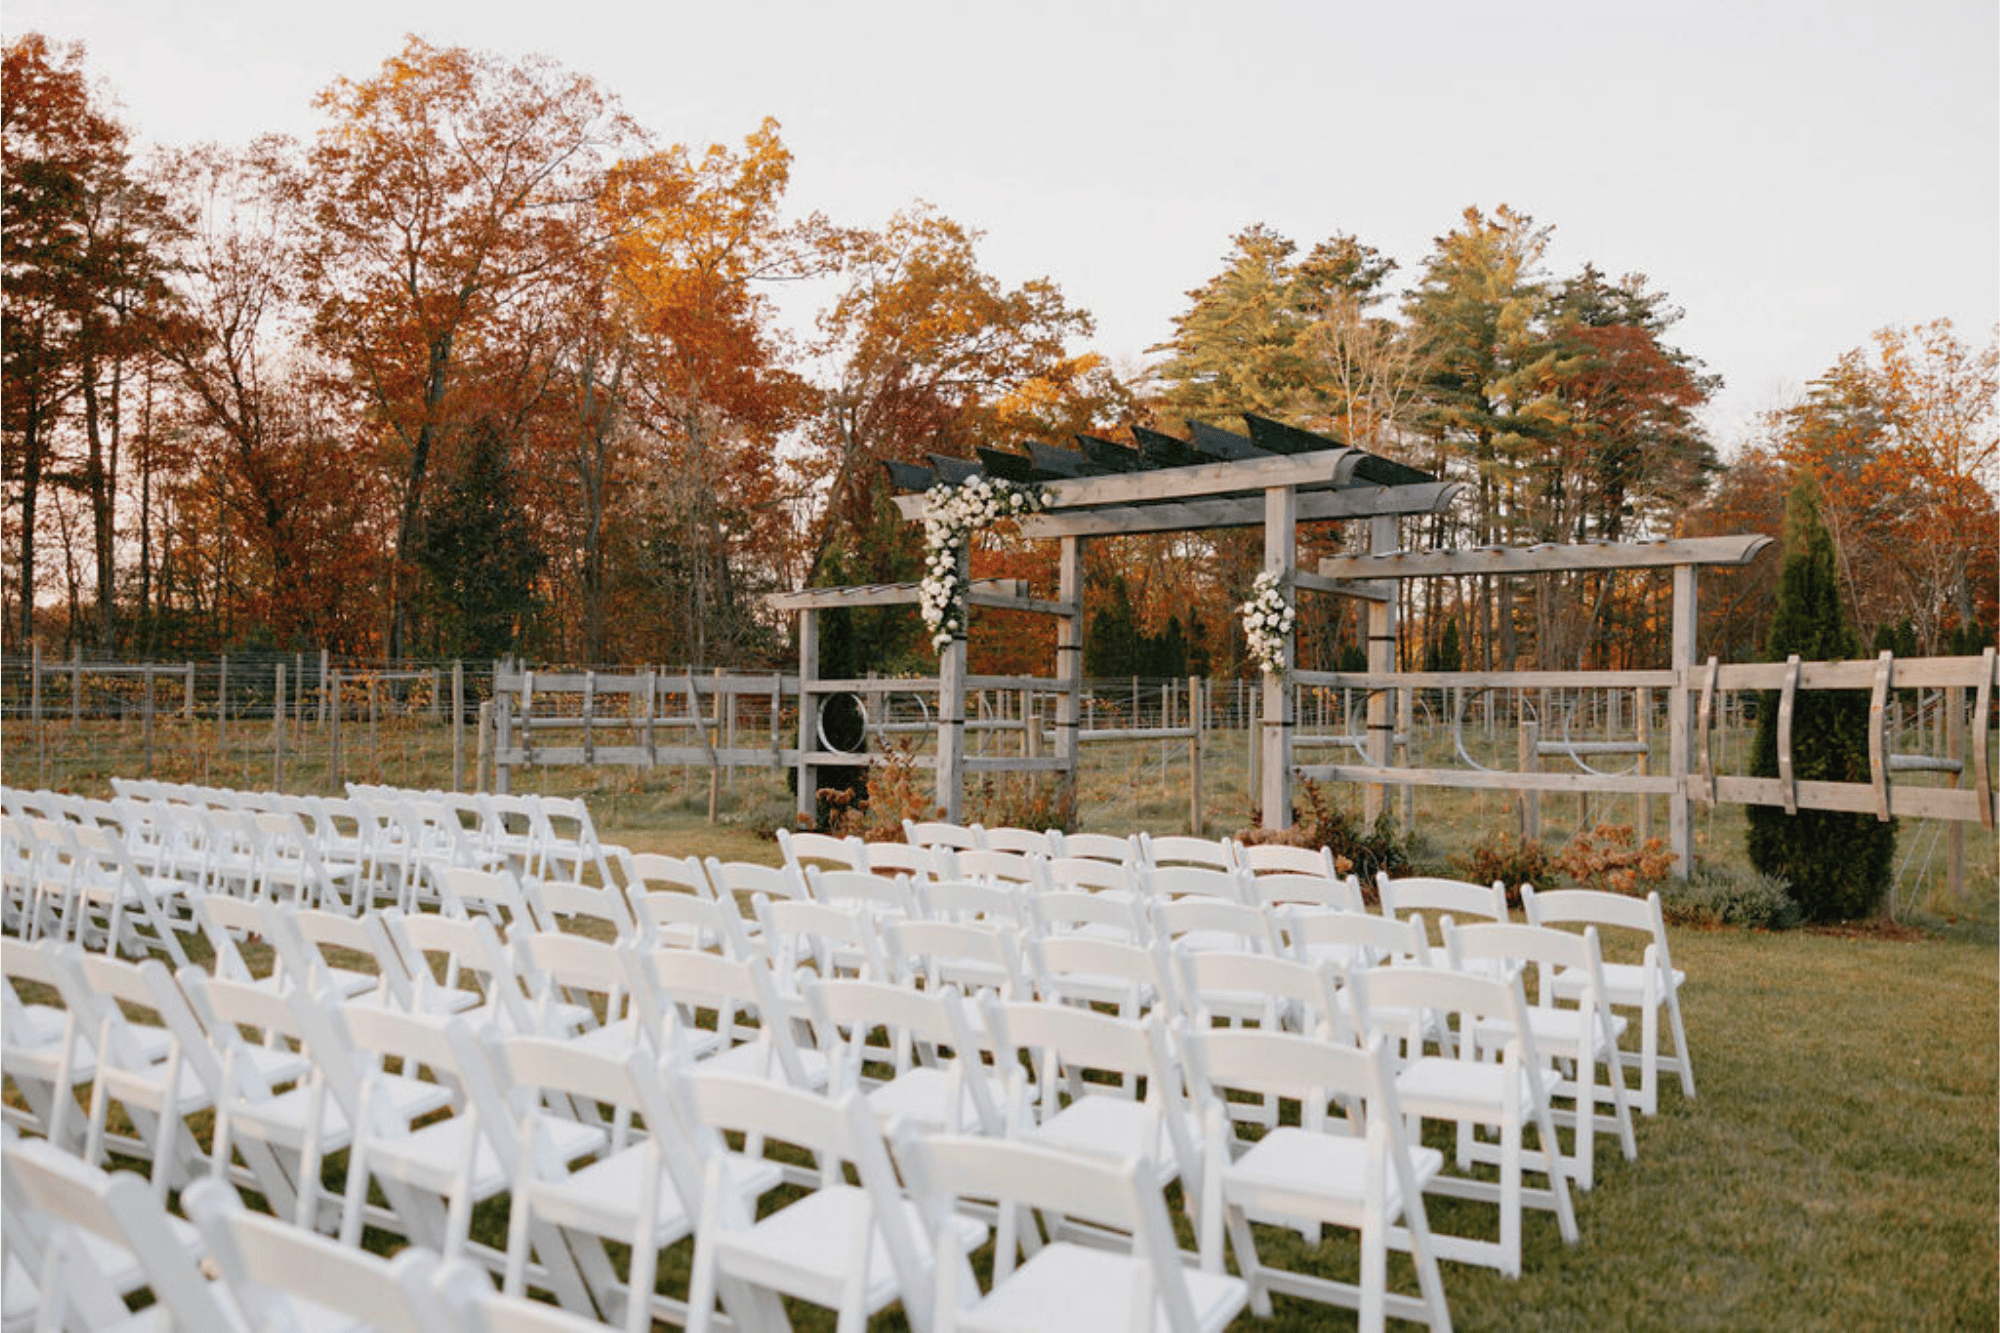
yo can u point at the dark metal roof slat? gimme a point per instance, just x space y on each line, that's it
1280 438
1115 457
953 470
1163 450
1010 467
1223 444
909 476
1059 462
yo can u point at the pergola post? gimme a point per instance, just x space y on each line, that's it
1069 655
808 794
1680 723
951 708
1381 661
1281 522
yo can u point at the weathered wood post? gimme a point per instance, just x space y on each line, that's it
1643 713
1198 723
1281 520
1680 723
1529 802
278 727
457 725
1382 538
1069 655
146 714
807 794
35 712
330 710
951 707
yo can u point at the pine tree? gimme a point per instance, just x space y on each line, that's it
479 555
1837 862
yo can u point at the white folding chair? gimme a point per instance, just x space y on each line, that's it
641 1191
1078 969
91 1239
1464 1086
1359 1172
890 896
937 833
447 1165
1428 897
45 1048
288 1277
855 1248
1027 841
1100 847
1068 1103
1327 893
912 1054
1182 881
978 958
1180 849
1198 924
1063 1284
801 849
1277 858
1579 1034
1649 985
900 858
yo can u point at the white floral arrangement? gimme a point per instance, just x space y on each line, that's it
1267 621
951 515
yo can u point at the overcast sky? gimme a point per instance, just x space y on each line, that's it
1794 175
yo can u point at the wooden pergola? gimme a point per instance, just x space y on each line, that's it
1276 476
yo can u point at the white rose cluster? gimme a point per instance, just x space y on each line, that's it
951 515
1268 618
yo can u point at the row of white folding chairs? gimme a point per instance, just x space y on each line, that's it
404 1161
543 837
1140 848
1058 1027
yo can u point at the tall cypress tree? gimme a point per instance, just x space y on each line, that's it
478 552
1838 863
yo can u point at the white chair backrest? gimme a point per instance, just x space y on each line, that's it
1181 849
1082 872
1100 847
801 848
1431 897
1286 888
937 833
1276 858
1027 841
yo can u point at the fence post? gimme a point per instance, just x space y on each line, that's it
1643 713
457 725
324 714
35 712
332 688
146 716
1954 729
1406 710
1195 722
1530 802
187 704
75 685
278 728
714 756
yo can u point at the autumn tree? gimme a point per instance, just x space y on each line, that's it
710 383
63 160
445 189
1903 441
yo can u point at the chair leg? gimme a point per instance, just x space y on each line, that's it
1681 1057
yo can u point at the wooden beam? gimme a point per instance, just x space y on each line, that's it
1197 515
881 594
1505 560
1378 590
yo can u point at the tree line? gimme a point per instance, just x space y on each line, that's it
483 366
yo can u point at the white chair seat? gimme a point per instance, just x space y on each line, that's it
1439 1088
803 1248
1108 1127
1624 983
602 1198
1555 1032
431 1157
756 1059
282 1119
1071 1286
922 1095
1293 1172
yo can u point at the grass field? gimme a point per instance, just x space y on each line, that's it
1840 1167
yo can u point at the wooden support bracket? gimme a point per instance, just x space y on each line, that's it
1878 733
1787 698
1982 722
1705 727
